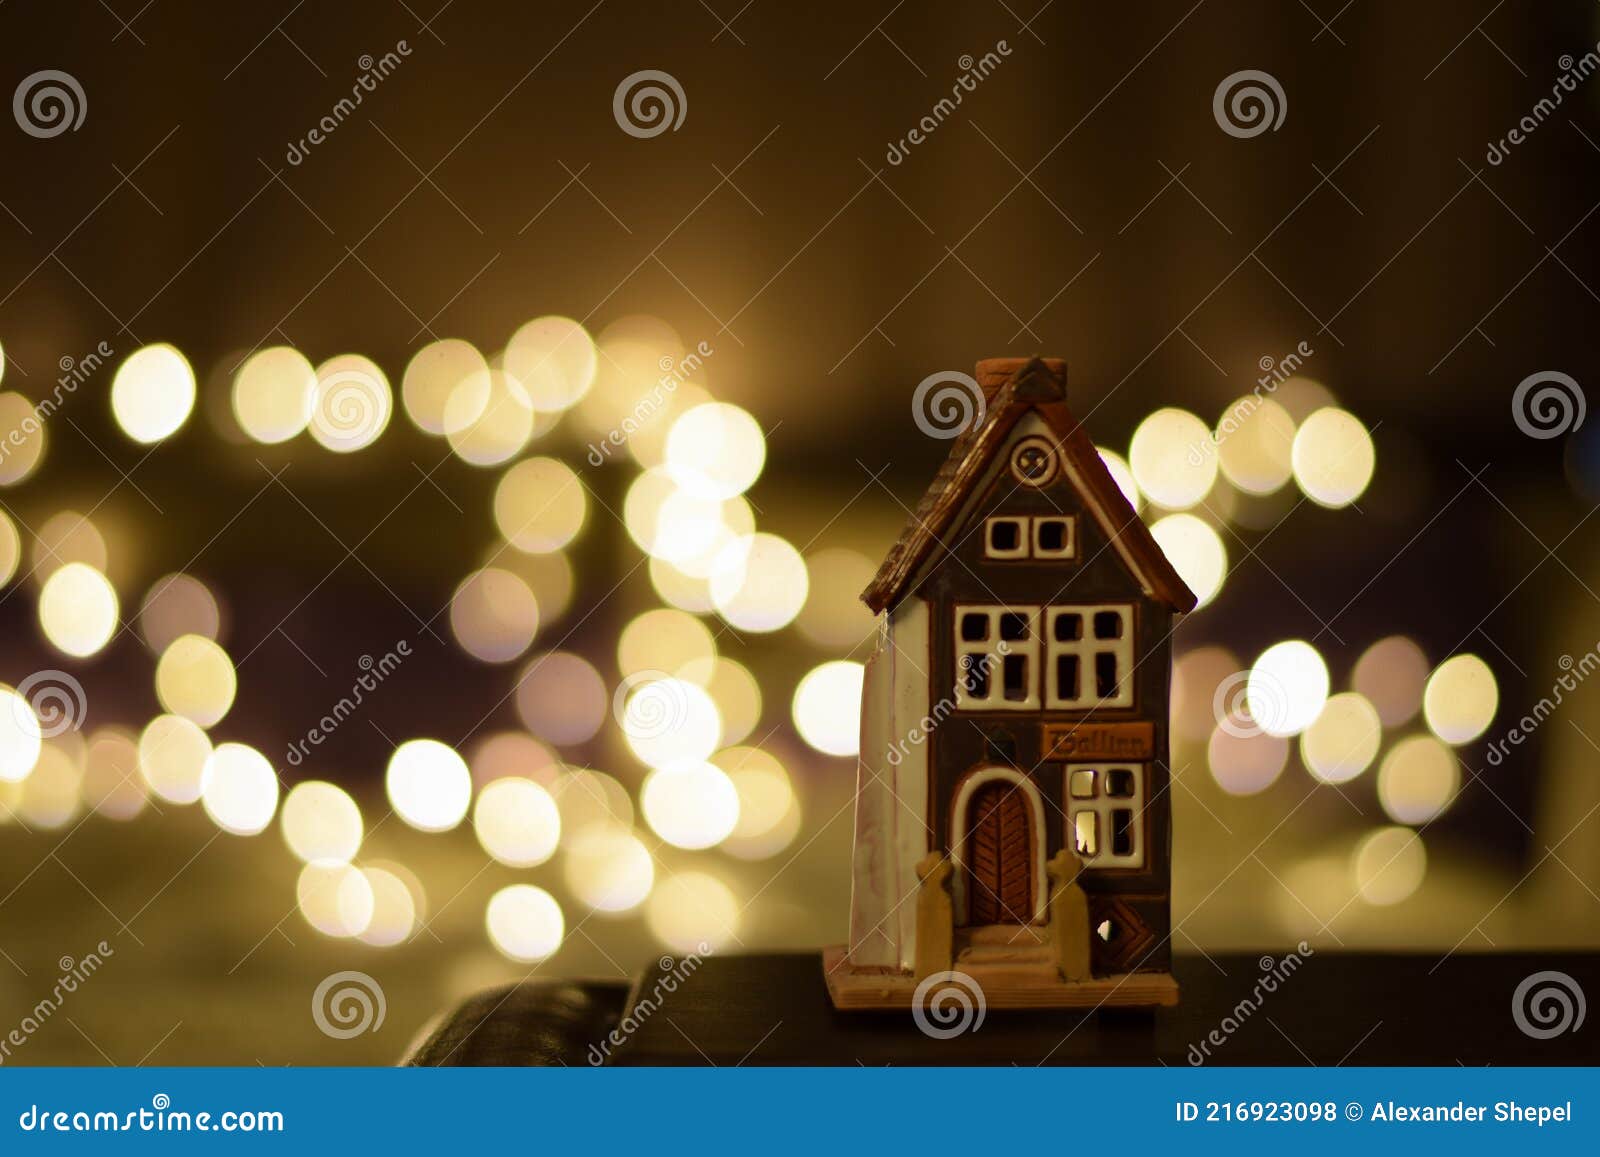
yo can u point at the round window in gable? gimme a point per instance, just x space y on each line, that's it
1034 461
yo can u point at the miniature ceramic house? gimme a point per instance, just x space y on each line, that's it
1013 806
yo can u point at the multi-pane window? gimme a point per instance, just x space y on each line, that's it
1105 813
997 658
1042 536
1088 657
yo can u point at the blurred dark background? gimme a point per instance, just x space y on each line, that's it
1082 201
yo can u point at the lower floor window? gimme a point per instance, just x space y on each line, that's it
1105 813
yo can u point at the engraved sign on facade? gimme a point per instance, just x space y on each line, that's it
1079 741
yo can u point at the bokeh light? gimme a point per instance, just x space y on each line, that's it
1173 458
1195 551
561 698
433 374
336 899
353 403
67 537
25 438
591 799
1254 441
78 610
1333 457
494 615
1243 763
525 923
540 505
1460 699
669 720
733 689
827 707
663 640
1418 780
690 804
693 912
394 906
555 360
177 605
20 736
833 614
172 757
239 789
607 868
321 823
152 393
715 451
1343 740
1287 688
1196 676
274 394
759 583
1389 865
10 548
1391 674
488 430
428 785
517 822
195 679
112 786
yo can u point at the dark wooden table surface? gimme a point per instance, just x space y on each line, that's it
1353 1009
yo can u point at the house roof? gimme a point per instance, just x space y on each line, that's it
1013 388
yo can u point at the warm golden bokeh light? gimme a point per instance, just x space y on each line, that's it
78 610
694 912
178 605
1418 780
715 450
274 394
51 797
321 823
590 799
488 430
734 690
1343 740
1392 673
1195 679
517 822
172 757
511 754
353 403
669 720
690 804
525 923
20 736
759 583
195 679
561 698
112 786
827 707
555 360
494 615
336 899
1333 457
833 614
1173 458
1244 764
1460 699
607 868
10 549
239 789
540 505
432 376
428 785
1196 552
663 640
67 537
152 393
1389 865
1288 687
394 907
1254 445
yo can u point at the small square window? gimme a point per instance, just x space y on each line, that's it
975 675
1007 538
1083 784
1105 675
1108 624
1122 832
974 627
1013 627
1016 684
1054 538
1119 783
1067 677
1069 628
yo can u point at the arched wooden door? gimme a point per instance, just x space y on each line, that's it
999 855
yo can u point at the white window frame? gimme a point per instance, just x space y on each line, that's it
995 651
1086 648
1101 806
1024 536
1069 547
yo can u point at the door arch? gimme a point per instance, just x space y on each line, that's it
997 846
